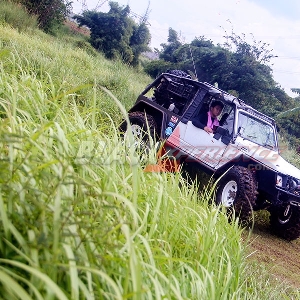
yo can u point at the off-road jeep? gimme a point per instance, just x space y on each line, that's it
242 154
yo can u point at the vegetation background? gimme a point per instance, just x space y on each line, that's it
79 217
237 66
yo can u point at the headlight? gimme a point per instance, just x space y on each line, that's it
279 180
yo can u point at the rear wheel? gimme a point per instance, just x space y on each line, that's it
143 128
237 192
285 221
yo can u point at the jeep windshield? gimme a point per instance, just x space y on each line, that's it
256 130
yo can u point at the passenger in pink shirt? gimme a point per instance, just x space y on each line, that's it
208 121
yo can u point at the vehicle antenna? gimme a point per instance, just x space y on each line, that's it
193 62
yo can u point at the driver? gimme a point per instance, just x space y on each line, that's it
208 120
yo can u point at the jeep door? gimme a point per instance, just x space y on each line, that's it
199 145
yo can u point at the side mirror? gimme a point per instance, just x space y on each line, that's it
223 134
226 139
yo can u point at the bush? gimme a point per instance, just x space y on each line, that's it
51 14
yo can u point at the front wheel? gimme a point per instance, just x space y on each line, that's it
285 221
237 192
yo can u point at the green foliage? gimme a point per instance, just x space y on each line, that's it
289 121
241 70
156 67
257 50
70 66
294 90
16 16
236 66
139 42
116 34
169 48
79 217
50 13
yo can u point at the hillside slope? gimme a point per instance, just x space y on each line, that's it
79 217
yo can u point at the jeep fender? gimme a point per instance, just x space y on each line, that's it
154 110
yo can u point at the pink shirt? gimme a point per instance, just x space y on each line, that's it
211 123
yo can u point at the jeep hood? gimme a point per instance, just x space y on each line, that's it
282 166
273 160
270 158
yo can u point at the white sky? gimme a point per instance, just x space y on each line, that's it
276 22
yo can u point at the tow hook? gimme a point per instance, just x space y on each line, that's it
287 210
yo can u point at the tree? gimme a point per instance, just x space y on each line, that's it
51 13
169 48
295 90
116 34
158 66
139 41
258 50
236 66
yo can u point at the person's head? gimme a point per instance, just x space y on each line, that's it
216 108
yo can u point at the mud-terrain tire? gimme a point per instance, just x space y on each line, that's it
237 191
285 222
143 127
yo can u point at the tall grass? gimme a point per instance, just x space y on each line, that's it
79 217
71 70
16 16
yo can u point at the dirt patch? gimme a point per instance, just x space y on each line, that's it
76 29
280 256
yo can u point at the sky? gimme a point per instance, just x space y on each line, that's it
275 22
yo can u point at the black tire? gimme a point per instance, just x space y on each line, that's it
237 191
285 221
179 73
143 126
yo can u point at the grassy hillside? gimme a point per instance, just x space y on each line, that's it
79 217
